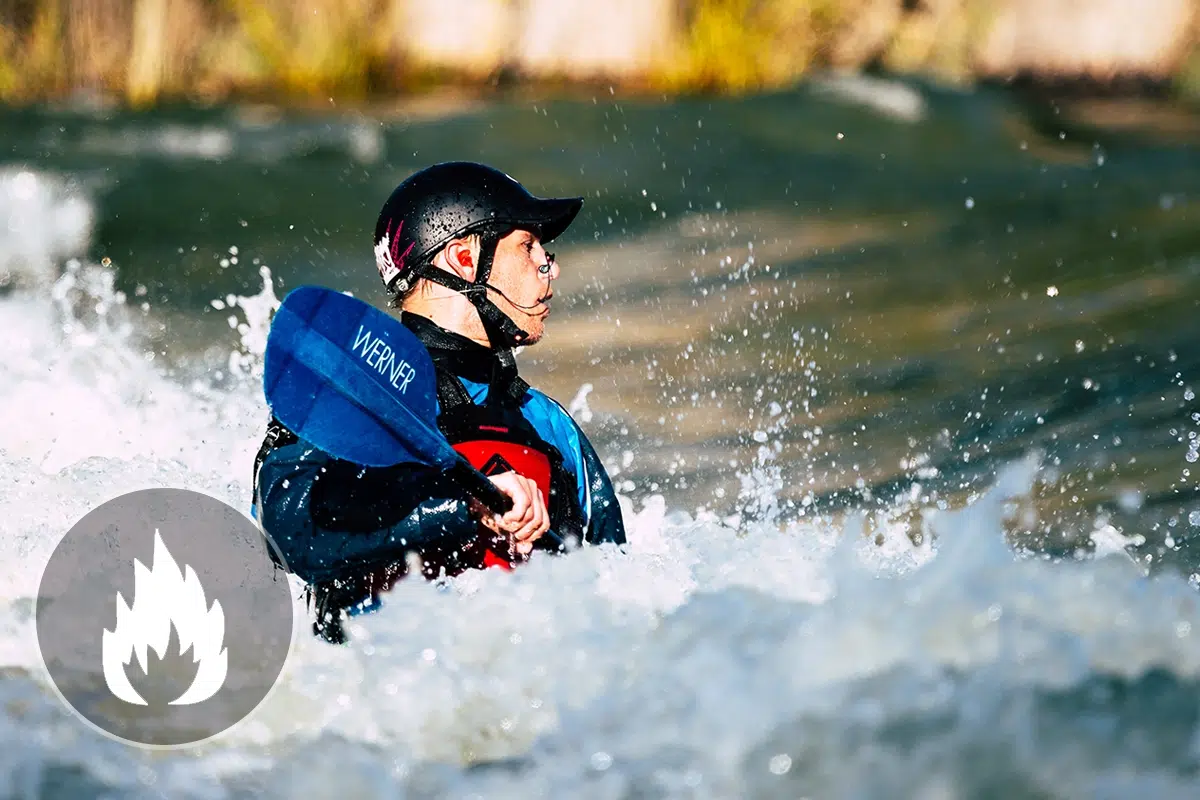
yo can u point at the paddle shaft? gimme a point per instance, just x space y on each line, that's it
483 490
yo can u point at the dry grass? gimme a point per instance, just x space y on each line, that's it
741 45
148 50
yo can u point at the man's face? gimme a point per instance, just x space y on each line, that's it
519 272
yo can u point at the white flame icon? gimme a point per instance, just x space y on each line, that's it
162 596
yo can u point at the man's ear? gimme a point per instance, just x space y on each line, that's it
461 260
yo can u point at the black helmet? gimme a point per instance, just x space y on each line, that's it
454 199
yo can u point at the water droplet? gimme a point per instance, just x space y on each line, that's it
1130 500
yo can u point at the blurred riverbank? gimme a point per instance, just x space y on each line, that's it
148 51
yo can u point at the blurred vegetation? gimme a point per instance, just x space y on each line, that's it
145 50
748 44
1187 79
149 50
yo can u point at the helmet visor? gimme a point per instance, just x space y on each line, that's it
549 217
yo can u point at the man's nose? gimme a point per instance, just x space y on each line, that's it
553 272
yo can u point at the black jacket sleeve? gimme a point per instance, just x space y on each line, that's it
330 518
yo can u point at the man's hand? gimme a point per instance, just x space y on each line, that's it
524 523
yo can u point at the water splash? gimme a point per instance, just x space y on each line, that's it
246 361
44 220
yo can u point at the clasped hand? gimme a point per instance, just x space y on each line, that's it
524 523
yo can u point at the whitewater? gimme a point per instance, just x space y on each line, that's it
902 651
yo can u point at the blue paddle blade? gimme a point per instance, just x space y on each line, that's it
353 381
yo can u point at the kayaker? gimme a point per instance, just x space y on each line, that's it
460 248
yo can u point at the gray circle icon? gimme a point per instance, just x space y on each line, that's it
162 619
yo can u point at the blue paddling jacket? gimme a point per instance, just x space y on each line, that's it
349 531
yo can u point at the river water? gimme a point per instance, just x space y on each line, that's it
898 386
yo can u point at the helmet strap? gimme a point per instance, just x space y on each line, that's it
503 334
489 240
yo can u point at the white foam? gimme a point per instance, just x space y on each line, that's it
206 142
890 98
245 138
